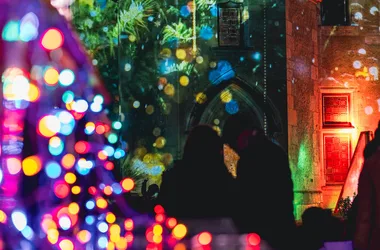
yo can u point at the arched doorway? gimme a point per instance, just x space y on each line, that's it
250 100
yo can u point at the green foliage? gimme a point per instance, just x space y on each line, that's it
134 32
344 207
103 28
203 5
177 30
133 16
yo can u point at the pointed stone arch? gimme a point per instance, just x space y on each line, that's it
252 96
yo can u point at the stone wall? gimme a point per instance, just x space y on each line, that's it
348 55
303 98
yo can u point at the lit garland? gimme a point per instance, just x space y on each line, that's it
48 84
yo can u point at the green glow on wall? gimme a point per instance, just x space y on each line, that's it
304 158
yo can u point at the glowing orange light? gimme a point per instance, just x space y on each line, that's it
31 165
48 223
52 235
73 208
121 244
100 129
157 229
128 184
111 218
102 156
14 165
51 76
48 126
3 217
66 245
68 161
108 190
190 5
128 224
33 93
82 147
61 189
114 238
253 239
179 231
110 245
75 190
70 178
180 246
157 238
171 222
204 238
84 236
52 39
101 203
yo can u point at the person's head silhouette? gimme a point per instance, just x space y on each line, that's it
153 191
203 144
377 132
373 145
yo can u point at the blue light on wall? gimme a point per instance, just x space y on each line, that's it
206 33
232 107
256 56
222 72
184 11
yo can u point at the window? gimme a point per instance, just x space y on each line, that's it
337 152
230 28
336 110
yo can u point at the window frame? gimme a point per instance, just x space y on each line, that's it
324 157
338 125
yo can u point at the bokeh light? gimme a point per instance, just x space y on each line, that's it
128 184
51 76
179 231
253 239
31 165
66 77
49 126
204 238
52 39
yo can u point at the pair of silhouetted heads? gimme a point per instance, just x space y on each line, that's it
240 130
204 141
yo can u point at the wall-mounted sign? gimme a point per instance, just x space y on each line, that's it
337 156
336 110
230 28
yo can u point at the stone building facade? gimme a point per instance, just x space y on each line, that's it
333 95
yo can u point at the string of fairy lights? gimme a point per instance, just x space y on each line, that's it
76 144
265 63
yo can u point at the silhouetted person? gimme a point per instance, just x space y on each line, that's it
319 226
152 191
369 151
198 186
372 146
367 233
264 184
